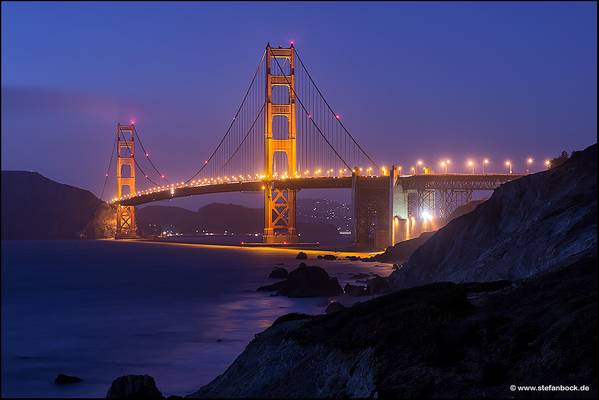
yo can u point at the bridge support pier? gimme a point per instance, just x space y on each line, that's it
126 226
279 204
370 202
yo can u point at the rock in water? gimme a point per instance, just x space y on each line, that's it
301 256
334 307
307 281
134 387
278 273
62 379
377 285
329 257
354 290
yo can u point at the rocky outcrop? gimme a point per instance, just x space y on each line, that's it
430 341
354 290
306 281
301 256
377 285
134 387
529 225
334 306
401 251
278 273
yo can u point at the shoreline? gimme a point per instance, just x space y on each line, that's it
269 249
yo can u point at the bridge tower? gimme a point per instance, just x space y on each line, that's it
126 226
279 204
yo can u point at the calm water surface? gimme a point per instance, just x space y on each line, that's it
101 309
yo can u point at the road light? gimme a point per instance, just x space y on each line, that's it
508 164
444 165
529 162
471 165
548 164
419 162
413 170
485 162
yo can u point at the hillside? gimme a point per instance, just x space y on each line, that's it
529 225
35 207
220 217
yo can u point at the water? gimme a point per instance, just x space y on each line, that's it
101 309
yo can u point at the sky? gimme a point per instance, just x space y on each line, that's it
411 80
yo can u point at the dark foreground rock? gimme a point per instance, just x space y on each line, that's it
134 387
431 341
306 281
278 273
301 256
334 307
62 379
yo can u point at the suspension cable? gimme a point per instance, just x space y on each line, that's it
307 113
331 109
136 163
161 175
245 137
232 122
108 169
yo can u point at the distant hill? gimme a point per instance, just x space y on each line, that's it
218 218
35 207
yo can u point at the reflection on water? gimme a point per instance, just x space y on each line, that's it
101 309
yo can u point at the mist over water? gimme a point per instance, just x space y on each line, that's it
101 309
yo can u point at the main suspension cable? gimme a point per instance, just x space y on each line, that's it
108 169
306 111
161 175
232 122
331 109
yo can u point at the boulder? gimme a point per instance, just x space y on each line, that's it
62 379
278 273
334 307
329 257
301 256
306 281
377 285
354 290
134 387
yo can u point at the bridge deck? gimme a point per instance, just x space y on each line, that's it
408 182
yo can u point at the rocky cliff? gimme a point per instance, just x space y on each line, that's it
529 225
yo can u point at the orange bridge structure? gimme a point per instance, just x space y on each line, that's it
286 137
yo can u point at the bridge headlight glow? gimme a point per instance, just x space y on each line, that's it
426 215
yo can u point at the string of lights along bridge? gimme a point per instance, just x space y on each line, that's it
285 136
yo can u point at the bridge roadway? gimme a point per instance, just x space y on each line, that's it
408 182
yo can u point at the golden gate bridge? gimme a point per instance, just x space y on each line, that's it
284 137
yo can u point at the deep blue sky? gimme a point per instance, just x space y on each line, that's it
412 80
